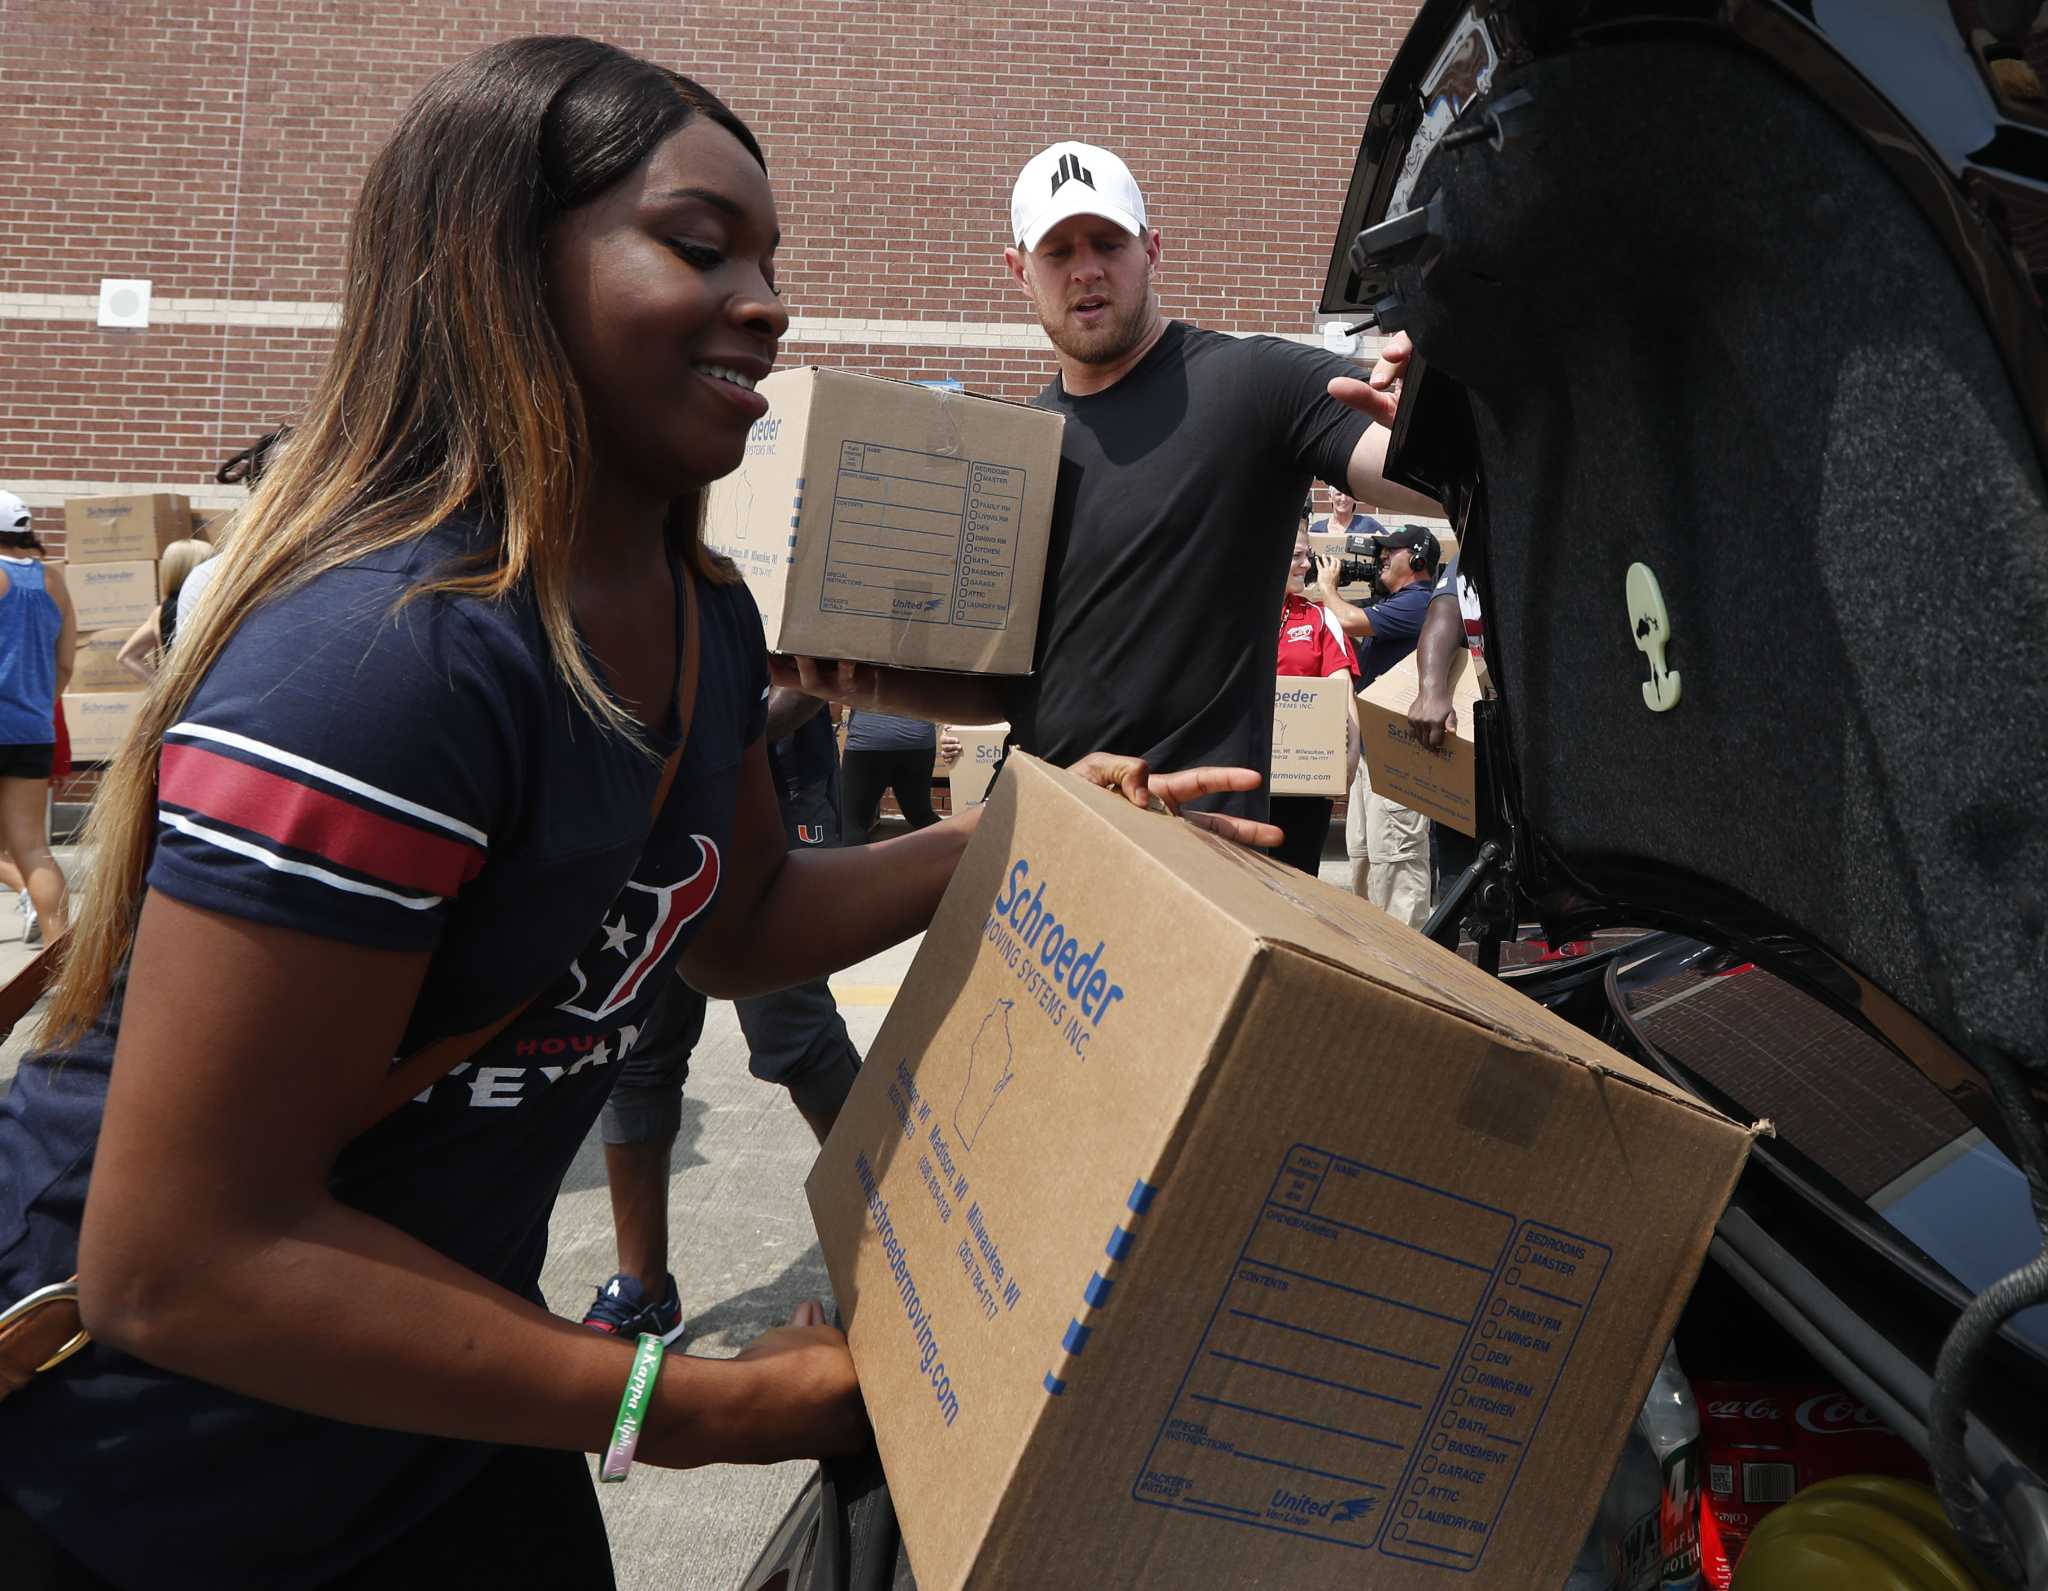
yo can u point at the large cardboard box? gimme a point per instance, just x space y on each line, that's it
892 523
1323 544
1311 736
981 748
1198 1225
98 721
1442 784
107 595
95 663
124 529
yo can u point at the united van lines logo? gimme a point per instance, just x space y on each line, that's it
1070 169
640 927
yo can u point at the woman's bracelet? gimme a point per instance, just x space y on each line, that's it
618 1458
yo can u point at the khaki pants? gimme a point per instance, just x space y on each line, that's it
1389 850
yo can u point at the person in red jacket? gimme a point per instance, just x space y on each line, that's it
1310 646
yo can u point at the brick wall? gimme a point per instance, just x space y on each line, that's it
215 151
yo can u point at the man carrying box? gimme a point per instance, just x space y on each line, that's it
1185 457
1388 843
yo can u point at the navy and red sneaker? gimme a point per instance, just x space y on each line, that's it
622 1309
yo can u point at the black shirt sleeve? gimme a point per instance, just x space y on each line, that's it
1290 383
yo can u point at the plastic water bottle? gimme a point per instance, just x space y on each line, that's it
1671 1422
1646 1534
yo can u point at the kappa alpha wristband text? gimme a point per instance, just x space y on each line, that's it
618 1458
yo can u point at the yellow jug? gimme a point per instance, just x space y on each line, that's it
1858 1533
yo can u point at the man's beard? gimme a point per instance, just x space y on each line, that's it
1120 331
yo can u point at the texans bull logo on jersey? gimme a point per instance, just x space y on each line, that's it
636 935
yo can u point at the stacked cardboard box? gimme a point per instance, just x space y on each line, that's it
111 547
125 529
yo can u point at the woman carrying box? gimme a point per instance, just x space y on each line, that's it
1311 646
460 759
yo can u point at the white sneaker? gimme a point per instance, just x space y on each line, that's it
31 927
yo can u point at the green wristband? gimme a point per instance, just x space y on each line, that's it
618 1458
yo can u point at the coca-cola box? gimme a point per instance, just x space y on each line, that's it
1766 1441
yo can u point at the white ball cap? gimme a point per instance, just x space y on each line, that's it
1073 179
14 514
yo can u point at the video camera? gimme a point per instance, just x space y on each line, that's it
1364 554
1360 563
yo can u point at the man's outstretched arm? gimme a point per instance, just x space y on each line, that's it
1379 396
1431 715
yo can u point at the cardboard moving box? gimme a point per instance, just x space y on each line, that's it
98 721
1151 1284
981 748
1441 784
1311 736
892 523
106 596
95 665
124 529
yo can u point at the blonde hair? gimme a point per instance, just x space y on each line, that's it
178 562
447 390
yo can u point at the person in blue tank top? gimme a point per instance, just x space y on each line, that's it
460 761
38 632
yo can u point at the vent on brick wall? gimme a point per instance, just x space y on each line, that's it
123 301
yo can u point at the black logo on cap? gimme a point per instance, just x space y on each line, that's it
1070 167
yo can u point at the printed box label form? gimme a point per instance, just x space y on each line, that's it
922 537
1297 1415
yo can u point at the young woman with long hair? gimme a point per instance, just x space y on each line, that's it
142 653
459 759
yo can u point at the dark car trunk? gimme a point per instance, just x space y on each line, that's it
1741 298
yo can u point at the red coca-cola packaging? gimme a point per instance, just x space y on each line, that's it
1768 1440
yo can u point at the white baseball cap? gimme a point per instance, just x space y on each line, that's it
1073 179
14 514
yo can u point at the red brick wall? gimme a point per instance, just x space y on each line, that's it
215 150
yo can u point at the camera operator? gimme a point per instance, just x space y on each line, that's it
1388 843
1184 450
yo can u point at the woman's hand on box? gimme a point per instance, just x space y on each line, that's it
1171 791
949 748
805 1402
853 685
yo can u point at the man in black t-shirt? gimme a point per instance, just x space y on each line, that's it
1185 460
